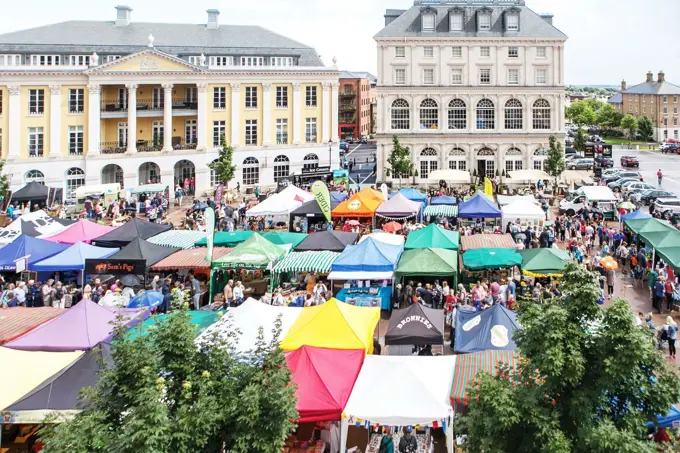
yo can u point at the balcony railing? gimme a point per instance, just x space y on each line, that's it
347 120
147 105
348 107
348 94
183 144
113 147
148 146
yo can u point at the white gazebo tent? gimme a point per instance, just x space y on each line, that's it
401 391
524 210
387 238
281 204
248 318
457 176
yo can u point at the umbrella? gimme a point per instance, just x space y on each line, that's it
391 227
353 223
130 280
200 206
609 263
626 205
149 299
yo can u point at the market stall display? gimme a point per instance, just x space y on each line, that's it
433 236
27 251
416 325
544 262
398 207
324 379
281 204
430 263
527 212
478 207
183 239
82 231
333 325
490 329
20 320
139 249
126 233
73 258
468 365
491 258
334 241
366 296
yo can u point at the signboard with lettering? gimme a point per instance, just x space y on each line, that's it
115 267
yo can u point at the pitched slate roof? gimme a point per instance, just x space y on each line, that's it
616 99
357 75
408 24
658 88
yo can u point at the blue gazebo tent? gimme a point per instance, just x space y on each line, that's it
338 197
412 194
368 260
443 200
73 258
25 246
673 416
478 208
636 215
492 328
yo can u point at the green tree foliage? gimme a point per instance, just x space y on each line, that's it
165 394
588 380
630 125
224 167
608 117
580 140
399 161
595 104
4 183
646 129
554 164
581 114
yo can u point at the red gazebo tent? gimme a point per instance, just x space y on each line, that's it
325 378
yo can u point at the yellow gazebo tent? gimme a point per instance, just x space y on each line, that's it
28 369
334 325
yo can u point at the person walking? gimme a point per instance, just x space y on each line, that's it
658 294
59 296
669 288
195 291
672 330
610 282
659 175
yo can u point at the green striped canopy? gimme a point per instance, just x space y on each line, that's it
307 262
184 239
445 210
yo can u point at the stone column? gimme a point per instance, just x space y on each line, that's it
201 124
167 117
94 119
14 121
415 120
327 114
235 114
297 114
132 118
266 114
55 120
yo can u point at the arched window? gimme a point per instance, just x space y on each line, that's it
541 114
311 162
401 115
457 159
457 114
34 176
281 168
486 162
429 114
251 171
214 177
513 114
113 174
75 177
540 156
486 115
429 162
513 160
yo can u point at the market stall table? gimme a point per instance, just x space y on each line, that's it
371 296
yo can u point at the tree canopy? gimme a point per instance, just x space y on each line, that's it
580 140
630 125
555 164
399 161
4 183
645 129
608 117
224 167
588 380
581 114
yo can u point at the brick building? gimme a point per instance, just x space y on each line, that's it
356 104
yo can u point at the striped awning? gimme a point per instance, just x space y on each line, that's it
468 365
487 241
445 210
17 321
307 262
189 259
183 239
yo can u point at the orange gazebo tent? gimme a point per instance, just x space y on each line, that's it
361 204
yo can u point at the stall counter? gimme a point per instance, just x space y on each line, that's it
372 296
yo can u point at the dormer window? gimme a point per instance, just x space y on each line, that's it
457 18
484 20
512 19
429 19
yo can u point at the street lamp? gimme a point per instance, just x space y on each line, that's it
330 154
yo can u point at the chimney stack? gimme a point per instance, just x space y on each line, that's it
650 77
624 85
662 77
212 19
123 15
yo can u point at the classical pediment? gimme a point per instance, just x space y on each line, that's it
146 61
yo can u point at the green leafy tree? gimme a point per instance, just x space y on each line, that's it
594 104
4 183
630 125
162 393
608 118
646 129
399 161
224 167
581 114
554 163
580 140
588 380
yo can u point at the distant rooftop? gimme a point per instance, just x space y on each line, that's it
357 75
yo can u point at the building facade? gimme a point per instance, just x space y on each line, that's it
129 102
469 85
357 96
657 99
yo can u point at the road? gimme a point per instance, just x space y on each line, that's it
363 170
650 163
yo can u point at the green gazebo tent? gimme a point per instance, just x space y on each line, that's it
481 259
642 226
201 319
544 262
671 255
429 262
255 253
284 237
227 239
433 236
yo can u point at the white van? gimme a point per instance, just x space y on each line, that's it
587 195
104 192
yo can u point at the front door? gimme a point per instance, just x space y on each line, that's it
481 169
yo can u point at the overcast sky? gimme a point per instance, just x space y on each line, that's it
608 39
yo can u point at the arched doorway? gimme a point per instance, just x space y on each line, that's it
112 174
486 163
34 176
149 173
75 177
184 169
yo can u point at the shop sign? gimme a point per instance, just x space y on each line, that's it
421 319
115 267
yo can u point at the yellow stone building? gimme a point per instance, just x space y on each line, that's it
66 116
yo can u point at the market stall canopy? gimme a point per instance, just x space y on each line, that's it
34 250
34 224
468 365
139 249
312 209
387 238
523 210
361 204
149 188
570 176
368 256
319 261
481 259
334 241
444 200
324 379
670 420
282 203
333 325
201 320
183 239
73 258
504 200
441 210
80 328
671 255
417 324
29 369
59 395
639 226
544 262
433 236
189 259
529 175
82 231
249 318
412 194
124 234
338 197
398 207
636 215
20 320
429 262
478 207
479 241
449 176
255 253
34 191
480 193
226 239
284 237
492 328
660 239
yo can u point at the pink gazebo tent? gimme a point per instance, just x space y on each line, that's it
82 231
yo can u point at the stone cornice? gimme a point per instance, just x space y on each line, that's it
439 40
463 89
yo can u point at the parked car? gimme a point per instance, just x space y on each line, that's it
672 148
635 186
580 164
666 206
344 146
605 162
596 139
630 161
611 172
363 140
616 185
649 196
624 174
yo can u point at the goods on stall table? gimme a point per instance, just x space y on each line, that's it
298 446
421 439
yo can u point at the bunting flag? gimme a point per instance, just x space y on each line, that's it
488 187
323 198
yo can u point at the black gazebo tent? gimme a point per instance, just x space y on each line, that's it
334 241
124 234
139 249
310 210
416 325
35 192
